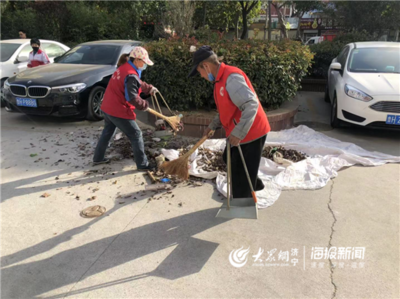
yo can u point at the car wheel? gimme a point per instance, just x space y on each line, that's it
94 103
335 122
327 100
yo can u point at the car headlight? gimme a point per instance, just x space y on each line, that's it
6 85
72 88
357 94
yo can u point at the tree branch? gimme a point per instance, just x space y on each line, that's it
252 6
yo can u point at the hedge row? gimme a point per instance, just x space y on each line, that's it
274 68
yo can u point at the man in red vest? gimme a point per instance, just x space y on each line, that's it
120 100
236 101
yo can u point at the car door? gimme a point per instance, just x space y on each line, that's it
23 57
335 76
52 50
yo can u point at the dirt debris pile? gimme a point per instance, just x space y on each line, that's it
288 154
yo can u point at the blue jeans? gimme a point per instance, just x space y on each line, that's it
130 128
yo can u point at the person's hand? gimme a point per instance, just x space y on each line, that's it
153 90
208 132
234 141
146 106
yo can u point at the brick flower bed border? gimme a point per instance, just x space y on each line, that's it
194 125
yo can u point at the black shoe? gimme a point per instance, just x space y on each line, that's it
150 167
104 161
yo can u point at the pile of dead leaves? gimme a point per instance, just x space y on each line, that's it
288 154
209 160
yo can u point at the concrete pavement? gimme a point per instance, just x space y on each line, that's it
161 249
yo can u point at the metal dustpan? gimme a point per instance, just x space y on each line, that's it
245 208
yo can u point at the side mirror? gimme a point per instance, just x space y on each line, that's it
336 66
21 59
56 58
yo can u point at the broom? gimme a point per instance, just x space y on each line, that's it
180 166
173 121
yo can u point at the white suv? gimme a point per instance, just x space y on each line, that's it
364 85
15 55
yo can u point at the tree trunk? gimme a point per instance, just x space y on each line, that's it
298 31
269 21
298 26
204 13
266 24
281 21
397 35
244 17
237 25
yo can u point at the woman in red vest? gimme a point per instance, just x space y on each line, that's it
236 100
120 100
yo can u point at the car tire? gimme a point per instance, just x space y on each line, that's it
326 98
94 103
335 122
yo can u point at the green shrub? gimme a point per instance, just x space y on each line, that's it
11 23
326 51
274 68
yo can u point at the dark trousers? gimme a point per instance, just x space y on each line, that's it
252 155
131 129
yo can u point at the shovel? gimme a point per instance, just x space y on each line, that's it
245 208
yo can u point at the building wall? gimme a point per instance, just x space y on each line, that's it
275 34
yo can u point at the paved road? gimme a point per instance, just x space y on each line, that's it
173 246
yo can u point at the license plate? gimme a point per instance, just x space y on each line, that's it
24 102
393 120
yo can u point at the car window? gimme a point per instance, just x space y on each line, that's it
92 54
365 60
128 49
311 41
25 51
340 54
345 56
342 58
73 58
7 50
52 50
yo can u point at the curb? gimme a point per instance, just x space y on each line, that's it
194 125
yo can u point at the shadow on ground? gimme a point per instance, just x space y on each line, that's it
70 266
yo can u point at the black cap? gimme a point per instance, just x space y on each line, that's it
200 55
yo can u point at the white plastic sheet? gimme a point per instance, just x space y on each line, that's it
326 157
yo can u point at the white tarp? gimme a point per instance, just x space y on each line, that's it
326 157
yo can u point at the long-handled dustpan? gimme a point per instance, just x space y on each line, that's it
239 207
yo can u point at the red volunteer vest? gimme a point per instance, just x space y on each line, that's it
228 110
114 101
